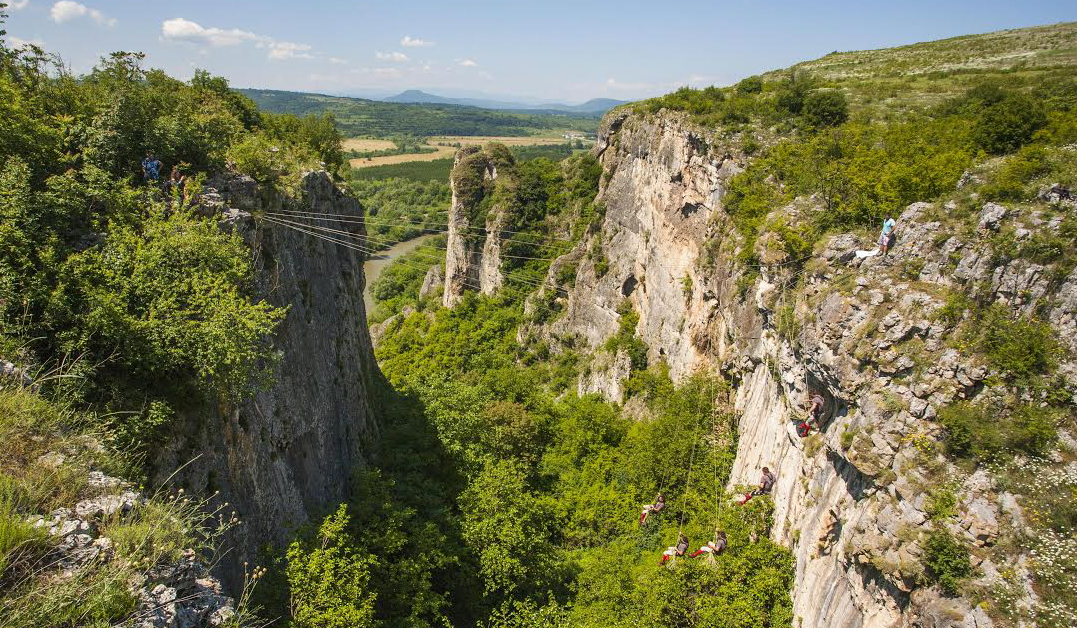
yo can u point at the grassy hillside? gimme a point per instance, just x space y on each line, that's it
357 116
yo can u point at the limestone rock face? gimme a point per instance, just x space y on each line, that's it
850 500
286 454
473 248
433 282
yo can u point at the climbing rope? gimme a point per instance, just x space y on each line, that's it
691 462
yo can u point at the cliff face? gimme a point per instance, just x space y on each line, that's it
284 456
473 249
851 501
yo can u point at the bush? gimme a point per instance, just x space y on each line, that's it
947 561
825 108
974 432
1012 178
1022 350
750 85
626 338
1008 124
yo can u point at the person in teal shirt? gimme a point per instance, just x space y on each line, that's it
887 233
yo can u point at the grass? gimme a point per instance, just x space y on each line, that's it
32 484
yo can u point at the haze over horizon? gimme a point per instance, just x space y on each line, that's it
567 52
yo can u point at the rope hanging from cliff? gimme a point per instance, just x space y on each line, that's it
691 461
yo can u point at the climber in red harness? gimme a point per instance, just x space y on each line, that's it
766 483
657 506
677 550
715 547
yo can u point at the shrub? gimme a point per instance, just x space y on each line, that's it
1008 124
1012 178
975 433
750 85
826 108
947 561
626 339
1022 350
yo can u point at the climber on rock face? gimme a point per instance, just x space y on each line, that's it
657 506
715 547
677 550
816 409
766 483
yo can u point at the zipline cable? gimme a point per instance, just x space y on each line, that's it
382 241
359 248
367 221
361 218
305 228
431 257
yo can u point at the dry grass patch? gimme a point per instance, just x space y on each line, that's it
362 144
478 140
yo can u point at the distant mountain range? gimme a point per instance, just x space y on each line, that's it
593 106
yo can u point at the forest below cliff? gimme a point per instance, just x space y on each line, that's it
547 483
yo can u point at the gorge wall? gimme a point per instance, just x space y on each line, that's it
851 501
285 455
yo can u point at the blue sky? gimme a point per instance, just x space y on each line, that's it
548 49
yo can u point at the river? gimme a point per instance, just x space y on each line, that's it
379 261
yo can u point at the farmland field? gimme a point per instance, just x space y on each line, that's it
479 140
366 162
362 144
412 170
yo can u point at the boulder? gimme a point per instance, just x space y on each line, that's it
990 216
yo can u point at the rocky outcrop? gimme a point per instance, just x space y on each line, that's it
172 593
285 455
476 223
851 501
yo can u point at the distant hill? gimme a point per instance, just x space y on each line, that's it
375 118
595 106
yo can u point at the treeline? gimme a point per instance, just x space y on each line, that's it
356 116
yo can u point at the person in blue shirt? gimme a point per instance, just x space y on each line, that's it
886 235
151 168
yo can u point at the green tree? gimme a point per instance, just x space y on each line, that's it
508 527
329 579
825 108
1008 124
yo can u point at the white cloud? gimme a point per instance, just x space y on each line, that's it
398 57
179 29
468 63
415 42
15 5
19 42
287 50
338 61
65 11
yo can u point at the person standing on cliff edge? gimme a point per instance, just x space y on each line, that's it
886 235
